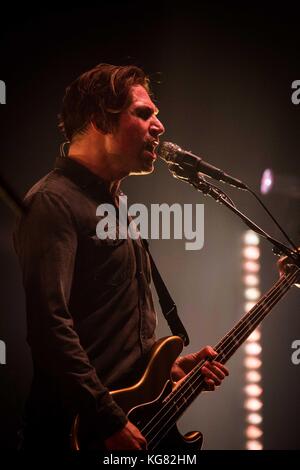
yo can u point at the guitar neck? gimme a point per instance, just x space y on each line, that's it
193 383
250 321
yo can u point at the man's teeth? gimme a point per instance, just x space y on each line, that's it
151 145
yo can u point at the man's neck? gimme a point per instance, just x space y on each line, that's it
113 185
88 151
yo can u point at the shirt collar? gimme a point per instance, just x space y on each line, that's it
82 176
79 173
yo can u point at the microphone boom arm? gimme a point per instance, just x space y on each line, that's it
208 189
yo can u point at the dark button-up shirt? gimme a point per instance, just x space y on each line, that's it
90 312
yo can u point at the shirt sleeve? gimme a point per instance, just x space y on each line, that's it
46 242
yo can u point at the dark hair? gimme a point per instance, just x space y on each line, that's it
98 96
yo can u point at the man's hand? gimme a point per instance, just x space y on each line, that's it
213 371
129 438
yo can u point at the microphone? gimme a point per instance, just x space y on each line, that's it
191 164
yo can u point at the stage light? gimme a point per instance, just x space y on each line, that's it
254 445
267 181
252 361
251 267
253 390
253 348
254 418
253 432
253 404
251 280
248 306
279 183
253 376
255 336
251 238
251 252
252 293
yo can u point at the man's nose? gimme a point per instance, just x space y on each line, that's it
156 128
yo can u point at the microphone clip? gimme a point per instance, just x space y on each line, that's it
197 180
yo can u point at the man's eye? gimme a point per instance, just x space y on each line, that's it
144 113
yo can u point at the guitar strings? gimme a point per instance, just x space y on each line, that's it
196 372
179 391
200 378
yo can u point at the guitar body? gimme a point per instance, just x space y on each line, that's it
143 400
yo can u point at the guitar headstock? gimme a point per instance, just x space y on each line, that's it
287 265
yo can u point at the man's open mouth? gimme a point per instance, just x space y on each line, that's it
151 145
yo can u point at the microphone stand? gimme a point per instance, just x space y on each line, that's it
209 189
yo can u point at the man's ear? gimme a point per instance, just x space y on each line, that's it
96 128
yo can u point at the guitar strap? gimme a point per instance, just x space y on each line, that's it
167 304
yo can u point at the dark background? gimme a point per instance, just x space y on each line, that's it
225 76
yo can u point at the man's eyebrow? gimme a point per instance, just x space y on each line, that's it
154 109
148 106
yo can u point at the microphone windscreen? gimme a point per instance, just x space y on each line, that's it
167 150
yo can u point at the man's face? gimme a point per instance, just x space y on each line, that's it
132 145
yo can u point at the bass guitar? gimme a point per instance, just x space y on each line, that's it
155 403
